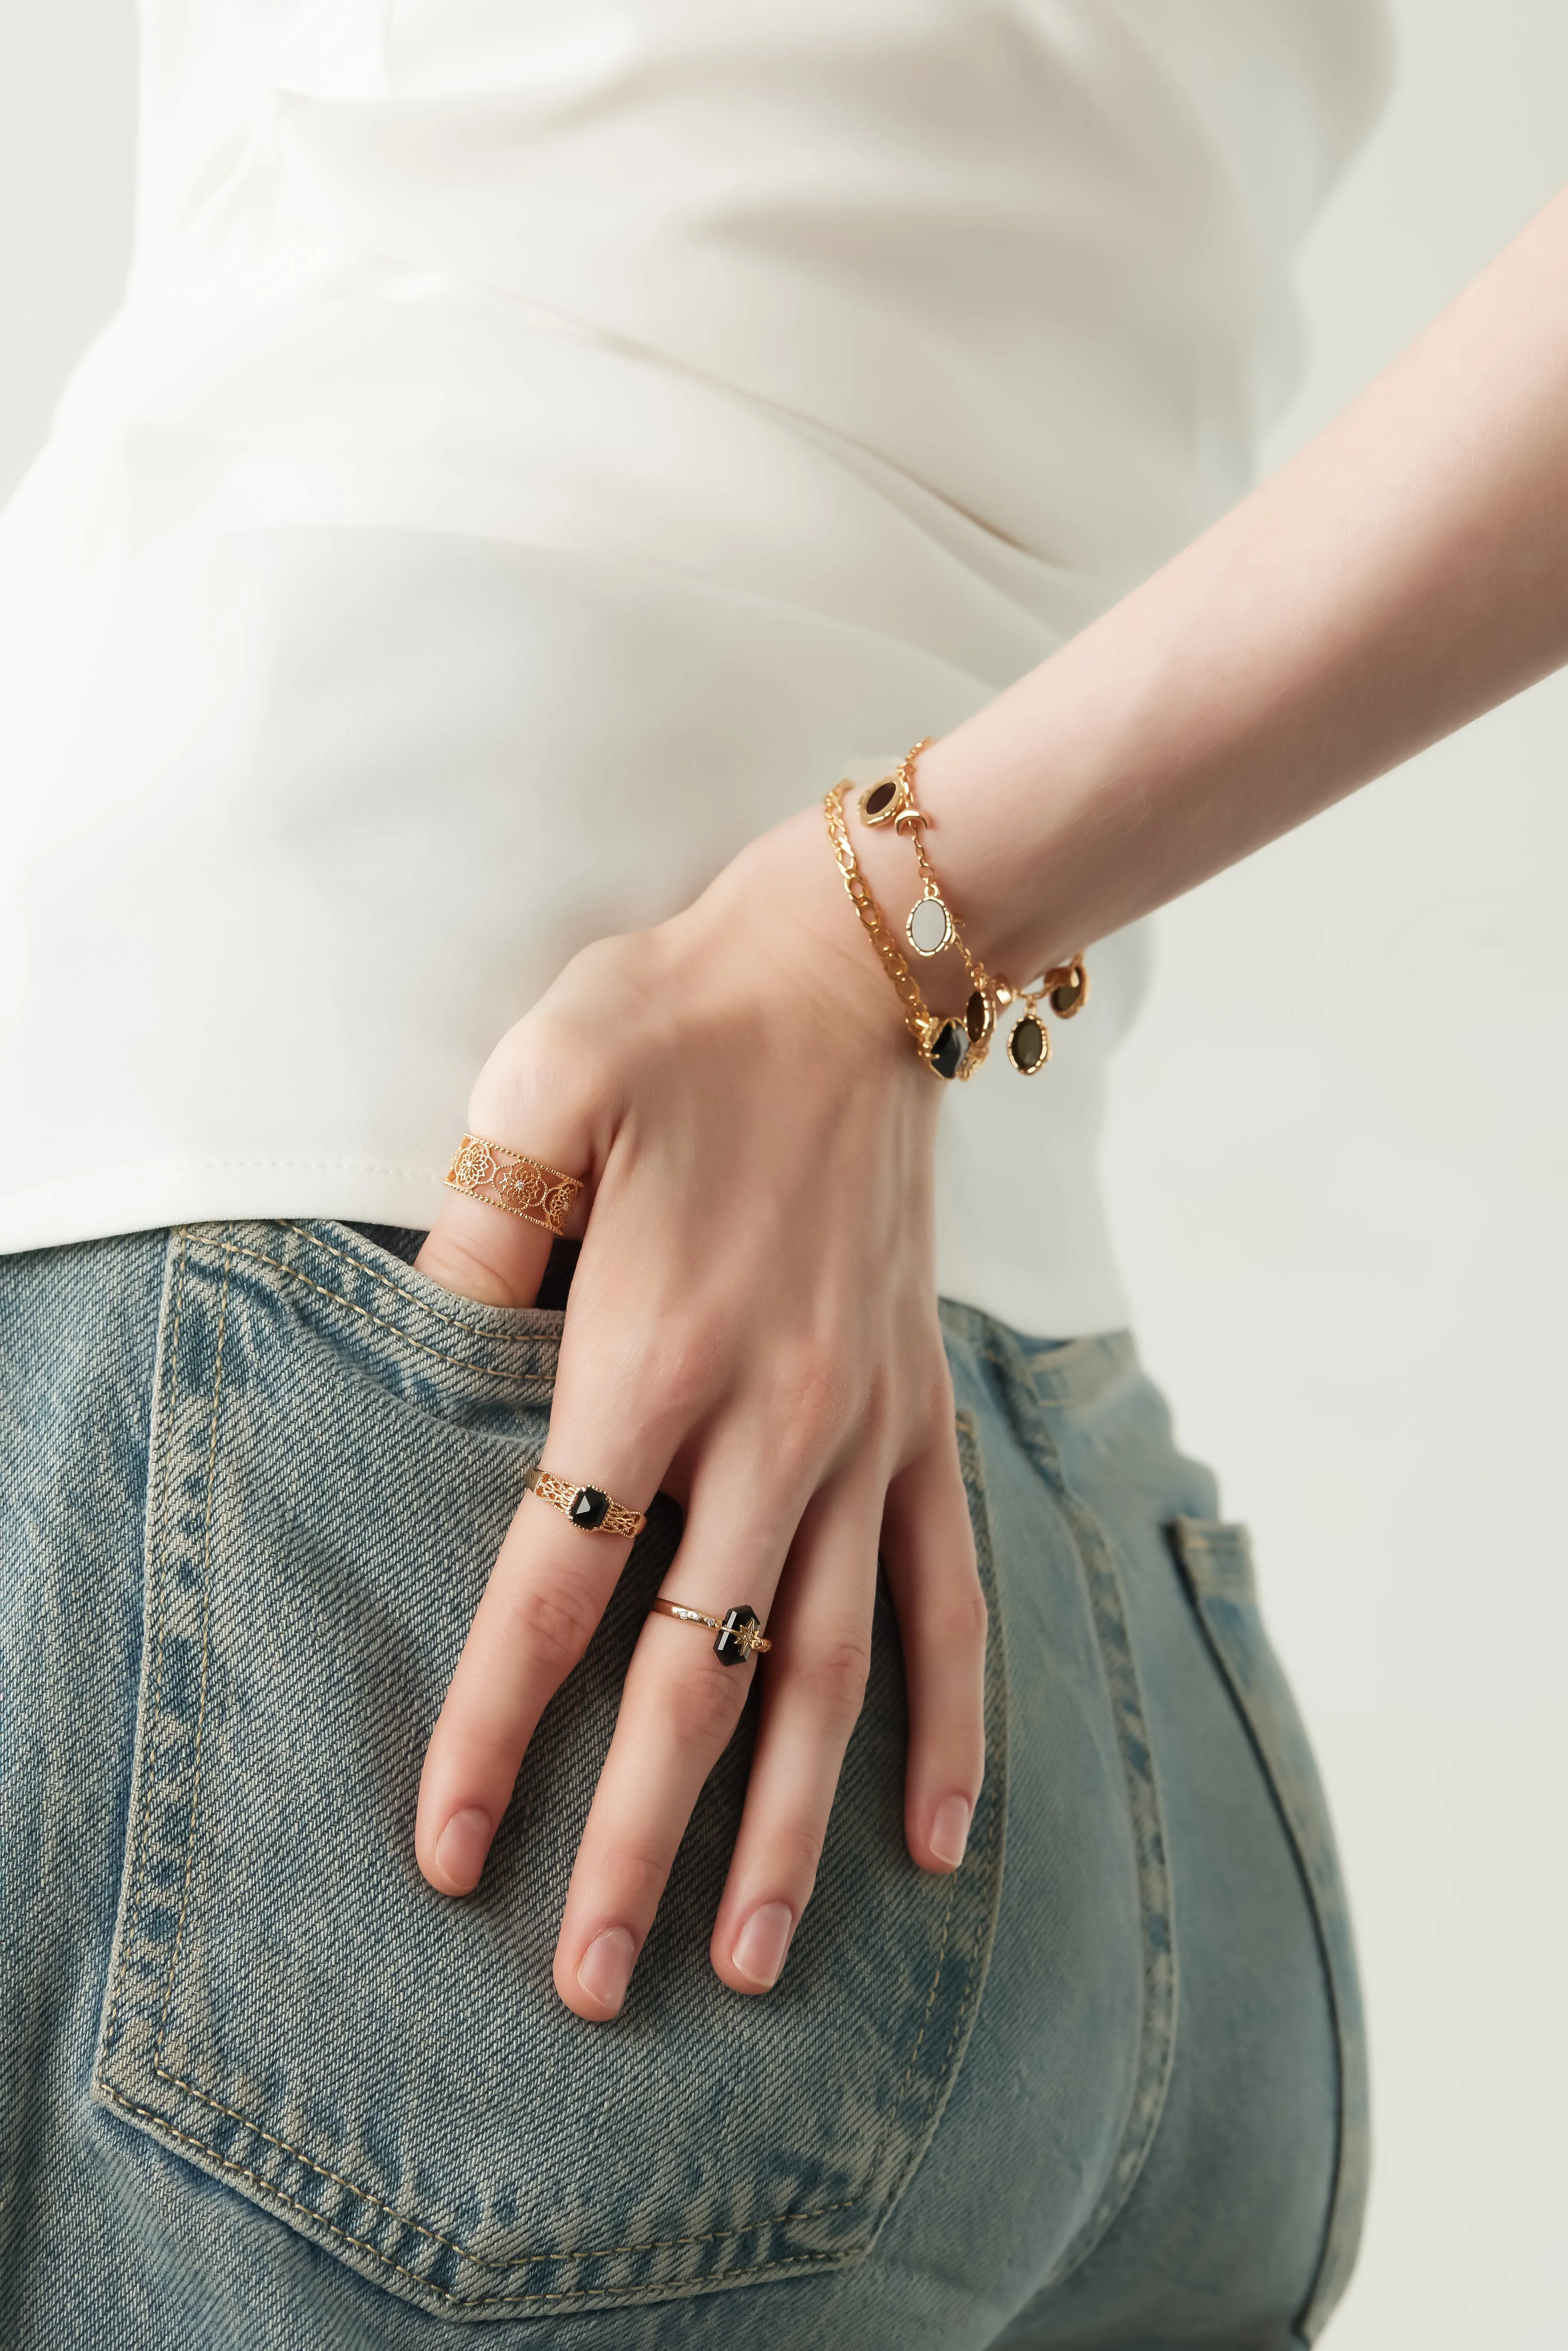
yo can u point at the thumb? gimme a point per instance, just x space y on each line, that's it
479 1249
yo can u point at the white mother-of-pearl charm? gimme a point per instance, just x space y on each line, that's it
929 927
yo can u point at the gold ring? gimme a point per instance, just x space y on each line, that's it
505 1178
589 1506
739 1630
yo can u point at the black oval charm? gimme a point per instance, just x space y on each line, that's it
947 1048
878 804
977 1017
589 1508
1029 1047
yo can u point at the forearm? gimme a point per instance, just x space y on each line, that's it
1405 571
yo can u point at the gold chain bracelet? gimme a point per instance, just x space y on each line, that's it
943 1044
931 925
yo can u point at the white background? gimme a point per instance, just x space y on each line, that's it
1338 1157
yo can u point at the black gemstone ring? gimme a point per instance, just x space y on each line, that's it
739 1630
588 1507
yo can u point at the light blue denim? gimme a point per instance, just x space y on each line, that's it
262 2087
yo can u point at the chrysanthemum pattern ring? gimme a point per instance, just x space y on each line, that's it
505 1178
739 1630
588 1507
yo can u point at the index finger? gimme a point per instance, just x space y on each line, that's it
549 1587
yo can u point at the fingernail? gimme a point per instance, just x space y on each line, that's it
606 1967
762 1942
950 1830
461 1847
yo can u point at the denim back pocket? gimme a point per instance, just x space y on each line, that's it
1216 1561
337 1448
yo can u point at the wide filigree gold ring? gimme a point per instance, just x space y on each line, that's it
588 1507
505 1178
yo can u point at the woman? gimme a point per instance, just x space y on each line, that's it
540 451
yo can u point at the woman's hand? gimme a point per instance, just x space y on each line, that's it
752 1327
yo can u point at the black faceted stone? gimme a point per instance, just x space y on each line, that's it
588 1508
947 1055
1026 1046
729 1648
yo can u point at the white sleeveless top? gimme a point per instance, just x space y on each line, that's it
545 442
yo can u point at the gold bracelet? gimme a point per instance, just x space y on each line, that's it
932 926
944 1045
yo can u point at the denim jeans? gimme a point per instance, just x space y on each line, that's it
261 2087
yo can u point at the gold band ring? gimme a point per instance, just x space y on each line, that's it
739 1630
504 1178
589 1506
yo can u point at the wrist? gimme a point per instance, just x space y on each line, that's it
781 905
987 876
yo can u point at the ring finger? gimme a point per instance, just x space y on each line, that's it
679 1711
812 1702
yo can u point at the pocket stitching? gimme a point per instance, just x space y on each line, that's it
160 1555
206 1648
384 1282
465 2302
538 1381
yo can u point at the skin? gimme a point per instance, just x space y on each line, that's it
752 1327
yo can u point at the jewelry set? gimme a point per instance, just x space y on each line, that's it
950 1045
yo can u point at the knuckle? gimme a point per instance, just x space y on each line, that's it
702 1705
837 1676
637 1870
808 1407
554 1624
794 1850
960 1618
670 1373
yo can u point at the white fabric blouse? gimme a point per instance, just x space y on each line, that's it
544 443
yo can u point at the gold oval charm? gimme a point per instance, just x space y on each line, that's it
1028 1045
930 927
881 802
1071 994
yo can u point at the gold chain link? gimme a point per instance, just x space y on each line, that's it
918 1018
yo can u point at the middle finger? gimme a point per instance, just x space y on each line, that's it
678 1712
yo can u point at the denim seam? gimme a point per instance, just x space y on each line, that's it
206 1645
1151 1861
463 2302
156 1711
537 1380
1188 1538
364 2195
